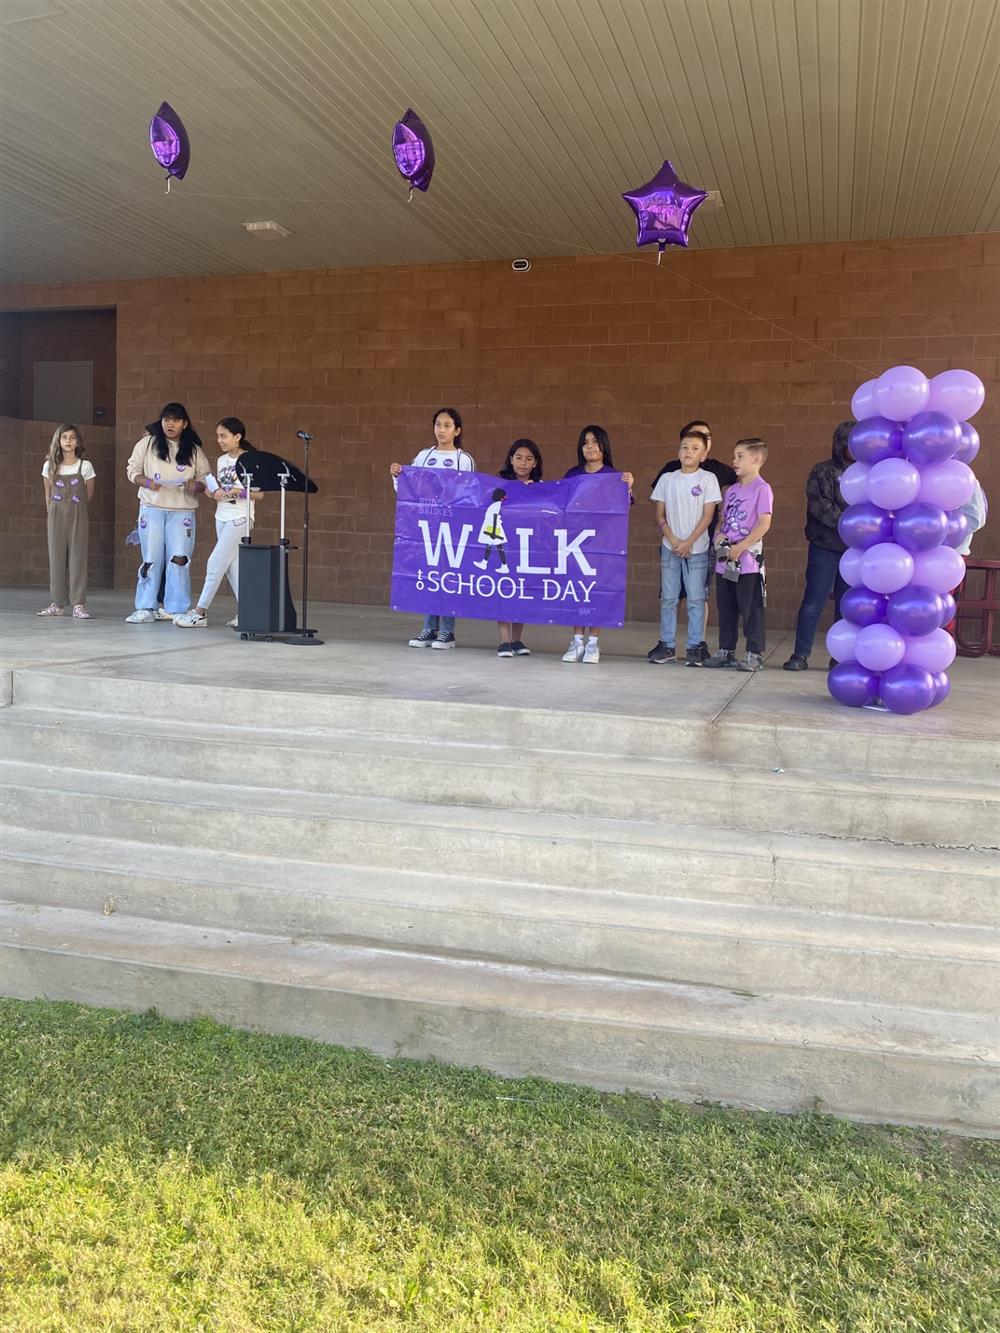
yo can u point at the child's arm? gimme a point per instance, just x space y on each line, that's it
48 492
661 523
135 467
684 548
90 487
758 530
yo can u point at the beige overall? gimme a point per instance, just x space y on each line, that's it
68 538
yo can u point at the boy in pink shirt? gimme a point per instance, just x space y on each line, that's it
739 569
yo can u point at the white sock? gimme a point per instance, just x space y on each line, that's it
578 638
591 638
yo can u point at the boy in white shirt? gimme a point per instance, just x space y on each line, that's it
685 502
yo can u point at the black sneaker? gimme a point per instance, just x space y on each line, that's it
693 657
505 650
703 652
424 639
723 658
663 652
752 662
655 649
520 649
444 641
796 663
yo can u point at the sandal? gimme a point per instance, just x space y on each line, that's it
81 613
50 610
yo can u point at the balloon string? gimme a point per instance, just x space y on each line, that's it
167 190
409 197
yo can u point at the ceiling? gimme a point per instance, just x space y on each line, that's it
816 120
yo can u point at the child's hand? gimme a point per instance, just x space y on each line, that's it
190 488
736 551
395 469
683 549
628 479
150 484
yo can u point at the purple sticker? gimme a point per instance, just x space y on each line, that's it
142 522
696 490
55 496
74 481
156 476
75 499
187 522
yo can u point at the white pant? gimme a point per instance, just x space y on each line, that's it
224 560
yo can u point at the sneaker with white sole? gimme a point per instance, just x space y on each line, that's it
575 651
505 650
424 639
520 649
663 652
160 614
722 658
444 641
592 652
143 617
191 620
234 623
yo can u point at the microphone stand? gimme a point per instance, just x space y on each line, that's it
305 638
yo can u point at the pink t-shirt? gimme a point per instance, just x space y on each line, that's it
741 509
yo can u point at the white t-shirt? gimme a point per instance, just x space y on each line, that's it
69 469
227 478
455 460
684 496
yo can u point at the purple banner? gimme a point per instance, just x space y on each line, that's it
550 553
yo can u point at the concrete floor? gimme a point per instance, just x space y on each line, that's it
365 652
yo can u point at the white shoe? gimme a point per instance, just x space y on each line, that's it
234 623
480 564
503 569
592 652
575 651
160 614
191 620
140 618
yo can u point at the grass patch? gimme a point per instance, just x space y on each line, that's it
185 1176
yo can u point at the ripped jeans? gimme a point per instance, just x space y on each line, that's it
166 537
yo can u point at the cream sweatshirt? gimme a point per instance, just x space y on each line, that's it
171 494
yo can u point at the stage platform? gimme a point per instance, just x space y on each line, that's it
698 884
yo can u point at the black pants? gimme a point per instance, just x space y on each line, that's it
735 600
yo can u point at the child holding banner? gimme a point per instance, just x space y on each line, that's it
593 454
445 453
524 464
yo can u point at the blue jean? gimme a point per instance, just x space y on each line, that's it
822 579
163 534
693 570
440 624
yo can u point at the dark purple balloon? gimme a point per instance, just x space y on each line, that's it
950 610
919 526
852 684
876 438
907 689
863 607
915 610
942 687
969 447
413 150
169 141
865 525
931 437
663 208
958 529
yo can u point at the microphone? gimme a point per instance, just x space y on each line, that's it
303 435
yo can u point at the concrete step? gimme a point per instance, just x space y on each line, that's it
949 814
558 850
848 743
694 1043
753 949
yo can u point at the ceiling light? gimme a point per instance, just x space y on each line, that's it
266 231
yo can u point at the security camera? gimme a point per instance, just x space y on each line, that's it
521 265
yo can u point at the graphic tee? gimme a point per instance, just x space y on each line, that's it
227 478
684 496
453 460
743 507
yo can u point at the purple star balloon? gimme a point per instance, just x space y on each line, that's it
169 142
663 208
413 150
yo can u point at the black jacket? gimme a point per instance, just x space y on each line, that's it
824 503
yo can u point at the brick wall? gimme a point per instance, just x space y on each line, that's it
23 542
363 357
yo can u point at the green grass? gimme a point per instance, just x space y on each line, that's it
174 1176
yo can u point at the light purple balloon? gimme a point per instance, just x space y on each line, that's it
969 447
879 647
887 567
863 402
934 652
840 640
940 568
959 393
949 484
902 392
853 483
893 483
942 687
850 566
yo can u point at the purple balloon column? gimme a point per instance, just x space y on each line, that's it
913 445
